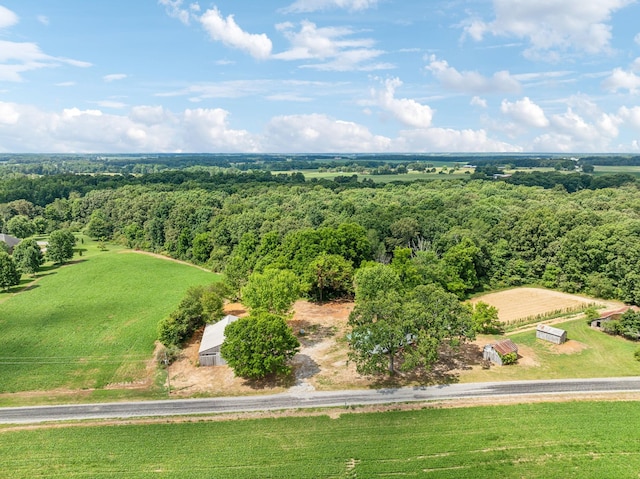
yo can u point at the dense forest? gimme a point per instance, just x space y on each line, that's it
573 232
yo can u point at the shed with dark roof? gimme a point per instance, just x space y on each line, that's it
496 352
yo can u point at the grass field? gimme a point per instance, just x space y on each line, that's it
91 324
546 440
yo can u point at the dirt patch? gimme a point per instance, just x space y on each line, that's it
520 303
568 347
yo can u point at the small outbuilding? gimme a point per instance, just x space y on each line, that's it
551 334
11 241
212 339
497 351
611 315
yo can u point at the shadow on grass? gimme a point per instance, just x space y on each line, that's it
272 381
444 371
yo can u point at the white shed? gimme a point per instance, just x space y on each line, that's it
212 339
551 334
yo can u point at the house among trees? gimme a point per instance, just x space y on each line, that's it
11 241
501 353
212 339
611 315
551 334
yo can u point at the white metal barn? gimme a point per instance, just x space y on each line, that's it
212 339
551 334
495 351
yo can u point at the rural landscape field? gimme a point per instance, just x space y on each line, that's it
122 317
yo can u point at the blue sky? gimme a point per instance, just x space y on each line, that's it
94 76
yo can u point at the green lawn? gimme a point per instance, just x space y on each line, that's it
597 355
91 323
561 440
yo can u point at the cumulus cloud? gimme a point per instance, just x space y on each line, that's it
525 112
451 140
114 77
322 134
332 46
307 6
622 80
551 24
471 81
227 31
571 131
175 9
477 101
409 112
630 116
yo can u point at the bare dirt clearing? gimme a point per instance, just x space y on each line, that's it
520 303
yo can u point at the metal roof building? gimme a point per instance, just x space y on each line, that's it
494 352
212 339
551 334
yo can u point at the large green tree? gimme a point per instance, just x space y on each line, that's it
60 246
274 290
28 256
329 276
20 226
259 345
9 274
394 330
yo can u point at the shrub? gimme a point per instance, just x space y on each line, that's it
509 358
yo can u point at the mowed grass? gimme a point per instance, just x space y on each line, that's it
90 324
548 440
588 354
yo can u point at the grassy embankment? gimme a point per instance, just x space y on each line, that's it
575 439
88 326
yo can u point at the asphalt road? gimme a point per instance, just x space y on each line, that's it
312 399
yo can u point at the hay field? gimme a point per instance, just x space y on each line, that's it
519 303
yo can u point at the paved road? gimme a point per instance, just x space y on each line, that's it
312 399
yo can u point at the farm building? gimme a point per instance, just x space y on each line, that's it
11 241
496 351
212 339
611 315
551 334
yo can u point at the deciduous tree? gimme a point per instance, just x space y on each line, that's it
28 256
9 274
60 246
259 345
274 290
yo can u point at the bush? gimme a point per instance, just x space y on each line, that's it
637 354
509 358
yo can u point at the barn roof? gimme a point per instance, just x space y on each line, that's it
10 240
545 328
608 314
505 346
214 333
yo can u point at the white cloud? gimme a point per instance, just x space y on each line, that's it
175 10
118 105
149 115
208 130
622 80
114 77
552 24
43 19
525 112
227 31
9 114
477 101
306 6
7 17
66 84
450 140
471 81
17 58
407 111
630 116
321 134
570 132
331 46
637 38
